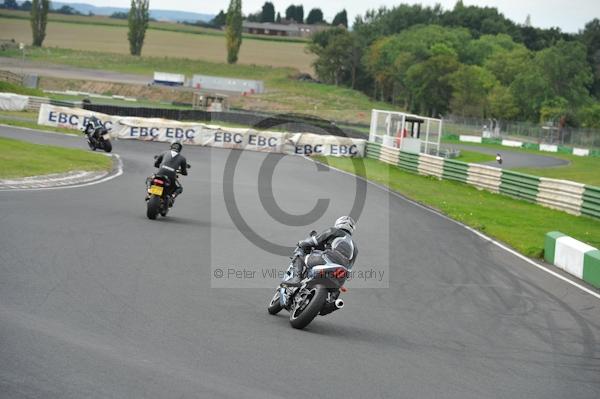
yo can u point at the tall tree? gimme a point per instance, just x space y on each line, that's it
299 14
290 13
39 19
591 38
341 18
26 5
339 54
565 68
429 84
138 23
315 16
278 18
295 13
471 85
268 12
233 31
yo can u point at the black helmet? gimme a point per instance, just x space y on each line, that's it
177 147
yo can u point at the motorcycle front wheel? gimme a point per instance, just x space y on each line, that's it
308 306
107 146
275 304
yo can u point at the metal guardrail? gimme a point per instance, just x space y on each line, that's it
288 122
564 195
35 103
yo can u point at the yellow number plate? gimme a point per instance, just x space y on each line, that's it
156 190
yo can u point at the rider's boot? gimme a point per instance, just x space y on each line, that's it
297 267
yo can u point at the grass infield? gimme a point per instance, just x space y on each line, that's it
580 169
520 224
22 159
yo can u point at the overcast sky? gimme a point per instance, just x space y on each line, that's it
569 15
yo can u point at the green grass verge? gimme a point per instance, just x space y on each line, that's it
6 87
580 169
475 157
21 159
520 224
284 94
28 119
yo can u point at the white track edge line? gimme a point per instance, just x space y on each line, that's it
91 183
472 230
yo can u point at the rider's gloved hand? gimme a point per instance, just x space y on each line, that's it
307 243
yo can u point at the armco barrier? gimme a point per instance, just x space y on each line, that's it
485 177
591 202
564 195
574 257
286 122
409 162
455 170
519 185
431 165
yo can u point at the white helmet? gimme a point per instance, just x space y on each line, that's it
345 223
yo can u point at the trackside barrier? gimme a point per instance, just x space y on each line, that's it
582 152
563 195
163 130
485 177
591 202
519 185
572 256
571 197
431 165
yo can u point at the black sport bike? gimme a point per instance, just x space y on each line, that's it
97 136
159 198
318 294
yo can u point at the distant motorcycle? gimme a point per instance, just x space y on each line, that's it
97 135
319 293
159 199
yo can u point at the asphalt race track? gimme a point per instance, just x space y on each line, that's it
514 159
97 301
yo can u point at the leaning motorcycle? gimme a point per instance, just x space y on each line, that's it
318 294
158 199
97 136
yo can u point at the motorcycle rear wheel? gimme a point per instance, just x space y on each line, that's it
302 314
153 207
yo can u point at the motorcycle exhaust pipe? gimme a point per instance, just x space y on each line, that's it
339 303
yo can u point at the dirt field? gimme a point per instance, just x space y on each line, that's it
161 43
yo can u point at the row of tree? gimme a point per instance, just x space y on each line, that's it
138 18
27 6
469 61
294 13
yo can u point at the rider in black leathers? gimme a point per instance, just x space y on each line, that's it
168 163
334 245
93 127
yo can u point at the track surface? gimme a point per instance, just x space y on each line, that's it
514 159
96 301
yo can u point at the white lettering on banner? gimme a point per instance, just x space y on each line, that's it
154 129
